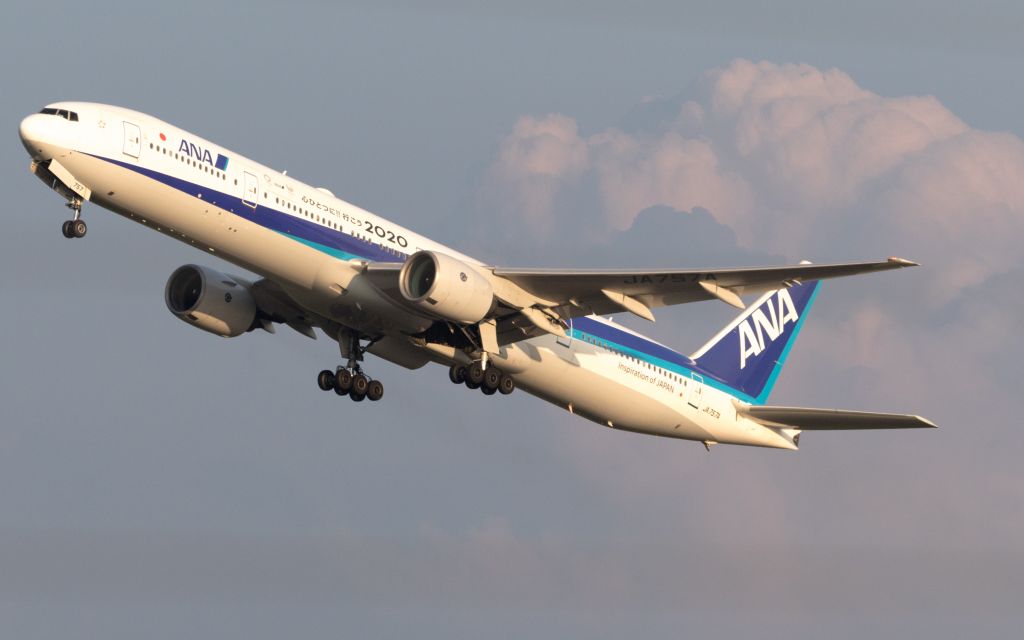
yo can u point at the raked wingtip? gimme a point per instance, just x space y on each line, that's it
901 262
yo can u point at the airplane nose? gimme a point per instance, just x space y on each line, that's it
36 132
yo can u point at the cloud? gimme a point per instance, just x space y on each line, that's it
793 159
764 163
534 162
797 162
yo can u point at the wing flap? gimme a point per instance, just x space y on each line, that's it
808 419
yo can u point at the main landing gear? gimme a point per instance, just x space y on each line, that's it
74 228
351 381
489 380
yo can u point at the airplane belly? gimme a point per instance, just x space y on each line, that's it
590 388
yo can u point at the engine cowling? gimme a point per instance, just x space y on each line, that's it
446 287
210 300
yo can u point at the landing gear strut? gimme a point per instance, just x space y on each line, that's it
351 381
74 228
488 380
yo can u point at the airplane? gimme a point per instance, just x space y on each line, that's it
375 287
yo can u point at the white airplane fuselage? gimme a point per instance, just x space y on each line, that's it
316 247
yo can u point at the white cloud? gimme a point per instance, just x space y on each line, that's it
791 157
673 170
804 162
539 157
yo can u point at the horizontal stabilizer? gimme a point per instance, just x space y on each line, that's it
807 419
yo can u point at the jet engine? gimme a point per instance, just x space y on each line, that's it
446 287
210 300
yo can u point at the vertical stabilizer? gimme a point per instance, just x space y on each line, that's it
749 352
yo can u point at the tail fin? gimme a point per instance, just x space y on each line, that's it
748 354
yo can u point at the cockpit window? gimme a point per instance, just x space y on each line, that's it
63 113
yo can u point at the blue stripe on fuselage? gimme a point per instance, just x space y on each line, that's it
325 239
651 352
629 340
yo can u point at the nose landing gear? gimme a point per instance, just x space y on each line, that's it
74 228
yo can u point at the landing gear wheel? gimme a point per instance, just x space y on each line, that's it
357 397
66 229
343 382
506 385
457 374
492 377
488 391
475 374
470 384
78 228
375 390
325 380
360 384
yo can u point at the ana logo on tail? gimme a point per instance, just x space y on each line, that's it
771 324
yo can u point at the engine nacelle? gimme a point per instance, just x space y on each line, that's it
210 300
446 287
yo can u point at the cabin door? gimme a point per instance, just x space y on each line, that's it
250 189
132 140
696 386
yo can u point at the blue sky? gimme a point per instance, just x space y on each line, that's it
163 482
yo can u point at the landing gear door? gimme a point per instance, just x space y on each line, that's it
250 190
132 140
696 386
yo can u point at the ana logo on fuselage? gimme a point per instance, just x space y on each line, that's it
768 325
194 151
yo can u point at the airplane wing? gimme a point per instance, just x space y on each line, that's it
276 306
584 292
807 419
533 301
